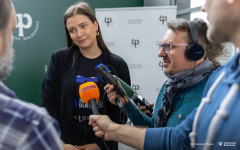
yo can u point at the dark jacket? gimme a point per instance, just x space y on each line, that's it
58 88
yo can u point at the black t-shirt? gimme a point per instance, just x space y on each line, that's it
81 111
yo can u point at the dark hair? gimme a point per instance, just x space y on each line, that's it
5 11
84 9
212 50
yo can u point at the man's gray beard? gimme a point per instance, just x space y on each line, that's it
6 60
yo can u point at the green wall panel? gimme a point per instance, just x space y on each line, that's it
35 42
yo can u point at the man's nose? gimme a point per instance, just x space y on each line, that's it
161 53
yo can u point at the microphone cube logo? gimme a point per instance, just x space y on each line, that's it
89 87
24 26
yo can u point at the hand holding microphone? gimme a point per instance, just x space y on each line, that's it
89 94
106 76
112 95
140 102
123 90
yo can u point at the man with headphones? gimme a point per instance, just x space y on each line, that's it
188 60
215 124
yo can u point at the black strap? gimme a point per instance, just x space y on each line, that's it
193 31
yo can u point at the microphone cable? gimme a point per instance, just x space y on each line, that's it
122 111
117 88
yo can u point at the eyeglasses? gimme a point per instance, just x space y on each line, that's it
167 47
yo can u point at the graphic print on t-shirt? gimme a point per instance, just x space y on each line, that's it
81 79
79 106
86 73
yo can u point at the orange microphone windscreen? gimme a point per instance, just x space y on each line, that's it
88 91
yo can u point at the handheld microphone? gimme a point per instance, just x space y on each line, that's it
106 76
89 93
139 100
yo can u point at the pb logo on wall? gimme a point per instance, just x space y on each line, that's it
27 27
108 21
136 88
160 64
135 43
162 20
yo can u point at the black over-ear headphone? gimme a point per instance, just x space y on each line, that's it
194 51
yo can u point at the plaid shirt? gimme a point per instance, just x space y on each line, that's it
24 126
